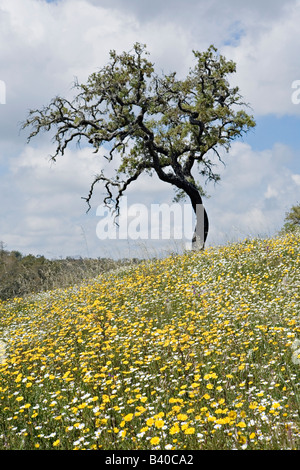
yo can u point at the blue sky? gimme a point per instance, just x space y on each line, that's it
44 45
270 129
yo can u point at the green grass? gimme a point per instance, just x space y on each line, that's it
197 351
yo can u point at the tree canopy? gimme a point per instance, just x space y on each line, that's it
292 220
151 122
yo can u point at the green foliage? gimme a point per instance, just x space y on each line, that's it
22 275
292 220
152 123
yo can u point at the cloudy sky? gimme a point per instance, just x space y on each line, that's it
45 45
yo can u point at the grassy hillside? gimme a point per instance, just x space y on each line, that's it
191 352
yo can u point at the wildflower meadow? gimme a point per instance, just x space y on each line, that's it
193 351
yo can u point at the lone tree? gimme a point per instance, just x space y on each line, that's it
152 123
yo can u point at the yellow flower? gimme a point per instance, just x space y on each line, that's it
253 405
141 409
241 424
154 441
82 406
189 431
242 440
223 420
159 423
172 400
56 443
232 414
238 405
150 421
174 429
195 385
211 418
128 417
276 405
182 417
105 398
144 429
176 408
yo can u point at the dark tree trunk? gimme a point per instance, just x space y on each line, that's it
201 231
202 224
179 180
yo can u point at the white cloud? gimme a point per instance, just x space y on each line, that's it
256 190
266 62
296 179
46 212
271 192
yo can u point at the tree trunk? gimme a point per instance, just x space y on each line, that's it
202 224
201 229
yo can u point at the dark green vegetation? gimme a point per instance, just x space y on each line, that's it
21 275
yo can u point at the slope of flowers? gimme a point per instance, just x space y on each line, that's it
188 352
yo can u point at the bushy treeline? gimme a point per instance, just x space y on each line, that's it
21 275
